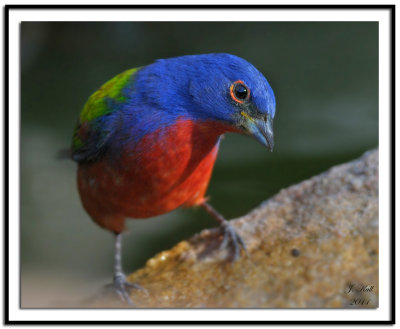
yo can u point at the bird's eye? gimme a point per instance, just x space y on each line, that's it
239 91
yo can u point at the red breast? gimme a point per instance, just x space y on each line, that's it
168 168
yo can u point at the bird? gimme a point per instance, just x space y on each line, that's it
146 141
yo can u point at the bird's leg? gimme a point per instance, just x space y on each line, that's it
121 285
230 235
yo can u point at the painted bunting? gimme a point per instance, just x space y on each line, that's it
147 140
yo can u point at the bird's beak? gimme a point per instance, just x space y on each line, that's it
261 129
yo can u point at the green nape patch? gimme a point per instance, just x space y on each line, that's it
96 105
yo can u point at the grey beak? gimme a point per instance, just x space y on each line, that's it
265 133
262 130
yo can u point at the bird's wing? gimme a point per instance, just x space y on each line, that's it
99 118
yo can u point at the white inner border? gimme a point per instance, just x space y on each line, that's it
382 16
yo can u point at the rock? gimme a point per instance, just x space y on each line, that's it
313 245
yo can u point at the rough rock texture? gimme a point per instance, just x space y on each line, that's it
313 245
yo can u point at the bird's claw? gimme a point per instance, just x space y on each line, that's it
123 288
232 238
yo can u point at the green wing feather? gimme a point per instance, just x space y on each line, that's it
96 105
88 139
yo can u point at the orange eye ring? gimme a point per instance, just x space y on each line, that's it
237 95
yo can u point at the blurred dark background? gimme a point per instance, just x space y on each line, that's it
325 78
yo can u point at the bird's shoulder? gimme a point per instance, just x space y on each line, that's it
112 92
99 117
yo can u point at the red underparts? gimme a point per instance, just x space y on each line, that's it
168 168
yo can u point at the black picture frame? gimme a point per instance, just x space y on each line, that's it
8 8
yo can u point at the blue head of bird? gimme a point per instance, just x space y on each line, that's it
219 87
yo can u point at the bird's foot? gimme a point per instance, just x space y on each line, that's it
232 239
123 287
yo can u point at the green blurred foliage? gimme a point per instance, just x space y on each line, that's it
325 78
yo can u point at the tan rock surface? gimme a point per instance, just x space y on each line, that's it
307 245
